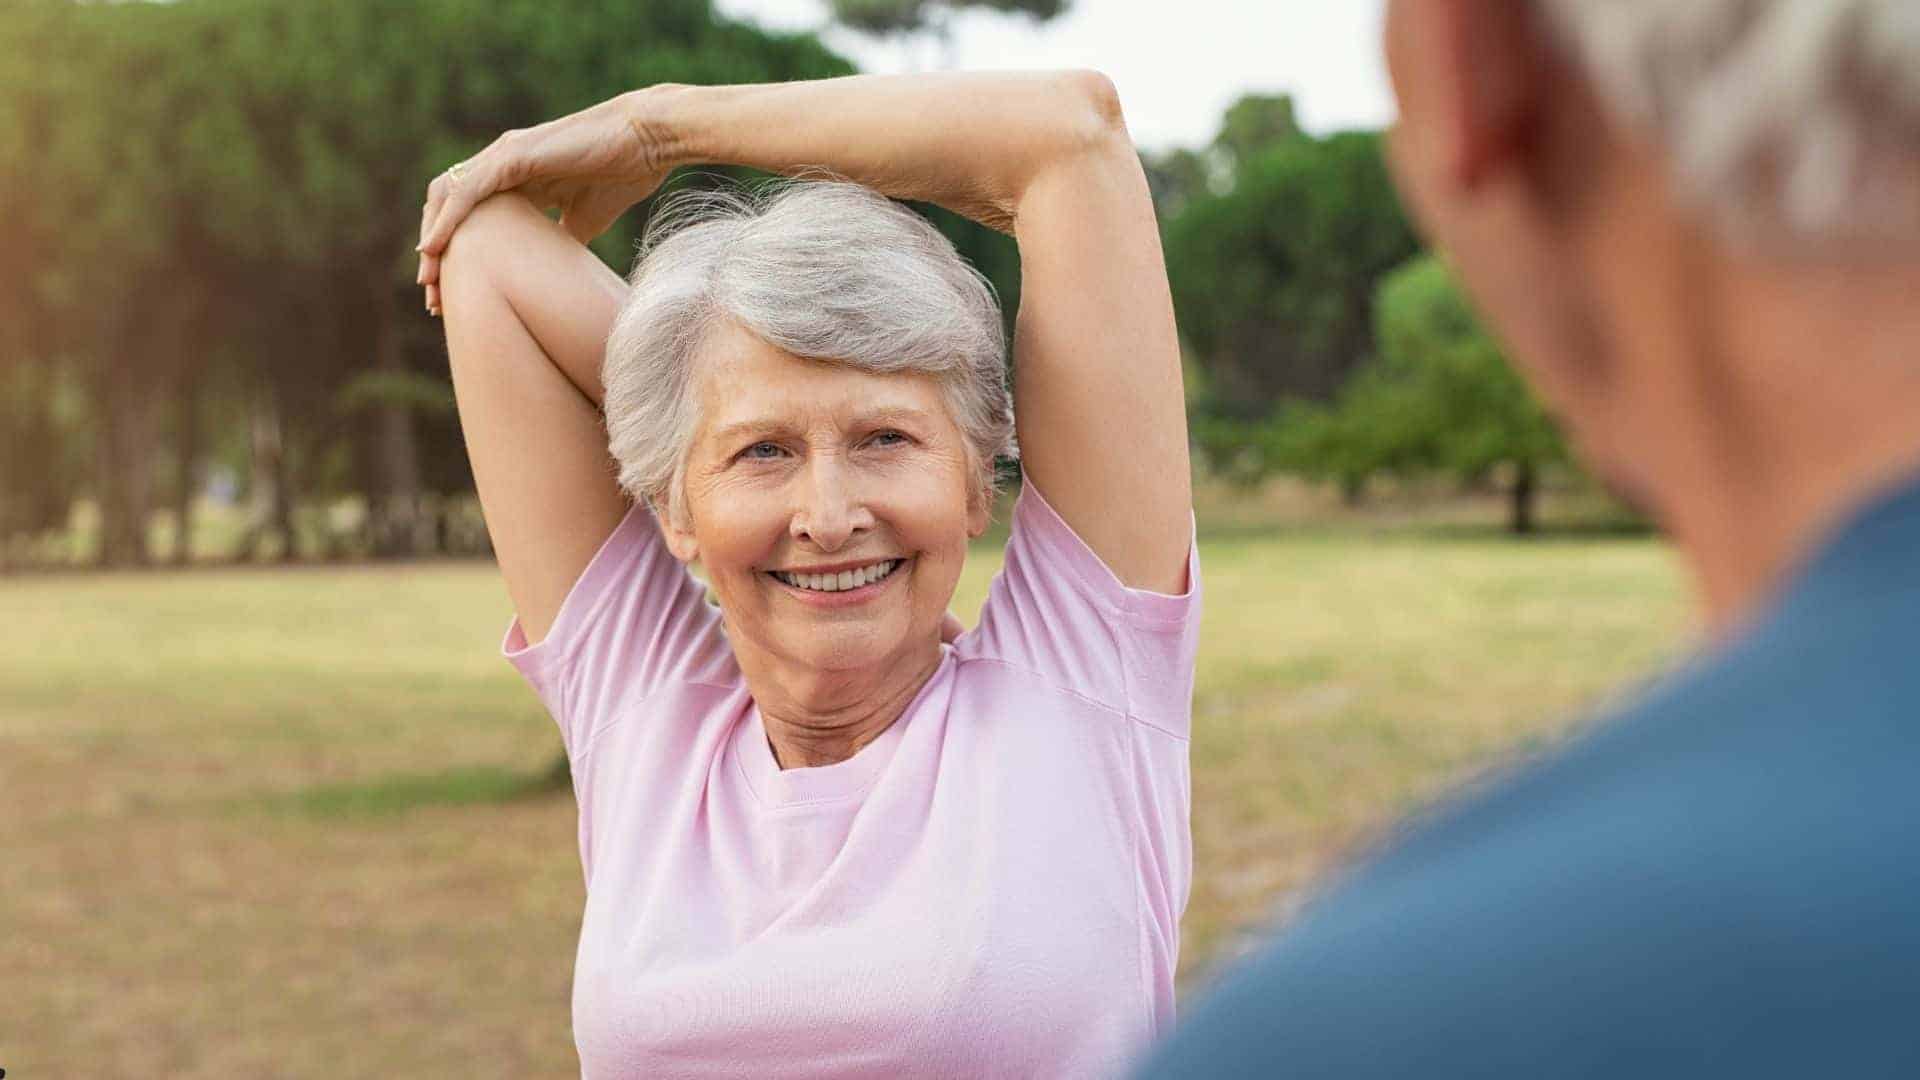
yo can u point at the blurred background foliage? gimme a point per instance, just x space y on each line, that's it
1322 341
208 207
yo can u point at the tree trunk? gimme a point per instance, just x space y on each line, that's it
123 462
1523 495
198 329
398 506
187 452
268 493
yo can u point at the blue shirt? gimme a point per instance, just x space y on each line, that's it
1723 880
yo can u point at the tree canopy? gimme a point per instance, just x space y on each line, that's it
208 209
1274 276
1440 398
912 16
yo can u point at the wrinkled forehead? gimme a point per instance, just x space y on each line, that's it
742 384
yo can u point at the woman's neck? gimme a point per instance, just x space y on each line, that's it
815 718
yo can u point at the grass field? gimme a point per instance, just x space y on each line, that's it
291 822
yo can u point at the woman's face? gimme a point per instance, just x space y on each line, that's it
807 479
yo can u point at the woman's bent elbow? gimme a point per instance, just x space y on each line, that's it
489 228
1094 127
1102 118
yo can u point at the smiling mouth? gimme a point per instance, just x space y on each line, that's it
843 581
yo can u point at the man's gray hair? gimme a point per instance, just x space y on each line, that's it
1795 123
823 269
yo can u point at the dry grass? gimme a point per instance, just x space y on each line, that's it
285 823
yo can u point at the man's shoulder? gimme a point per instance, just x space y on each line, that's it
1719 861
1771 774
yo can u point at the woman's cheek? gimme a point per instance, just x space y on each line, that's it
743 528
939 491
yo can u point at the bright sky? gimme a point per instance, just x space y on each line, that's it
1178 65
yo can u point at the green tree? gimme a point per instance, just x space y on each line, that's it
104 287
241 227
1441 397
893 17
1253 125
1177 176
1274 277
931 18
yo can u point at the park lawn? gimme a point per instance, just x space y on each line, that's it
291 822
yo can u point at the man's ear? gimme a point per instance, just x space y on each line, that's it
1478 83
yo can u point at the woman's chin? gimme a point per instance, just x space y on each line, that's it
849 648
841 651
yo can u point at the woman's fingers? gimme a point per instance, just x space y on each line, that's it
505 164
429 278
450 197
428 273
426 209
436 195
460 199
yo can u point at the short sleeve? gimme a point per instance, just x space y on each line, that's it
634 620
1056 609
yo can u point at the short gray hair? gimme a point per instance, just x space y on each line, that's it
1793 122
823 269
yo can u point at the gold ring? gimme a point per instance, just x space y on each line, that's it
457 171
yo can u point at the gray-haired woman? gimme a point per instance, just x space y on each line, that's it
818 839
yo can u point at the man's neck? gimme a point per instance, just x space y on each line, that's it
1767 447
815 718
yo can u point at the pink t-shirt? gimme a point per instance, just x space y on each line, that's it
993 887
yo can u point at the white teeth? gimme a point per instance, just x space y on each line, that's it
845 579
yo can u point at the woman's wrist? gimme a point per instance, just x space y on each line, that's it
660 120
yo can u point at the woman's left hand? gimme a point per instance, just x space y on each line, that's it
591 165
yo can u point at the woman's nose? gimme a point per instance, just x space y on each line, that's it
831 508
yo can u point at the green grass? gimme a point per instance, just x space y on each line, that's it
387 796
299 823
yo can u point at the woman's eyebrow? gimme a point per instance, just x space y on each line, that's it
763 426
740 429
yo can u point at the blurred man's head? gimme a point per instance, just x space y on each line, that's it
1696 224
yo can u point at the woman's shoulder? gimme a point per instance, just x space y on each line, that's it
1042 543
1056 612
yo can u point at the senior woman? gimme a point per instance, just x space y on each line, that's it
819 840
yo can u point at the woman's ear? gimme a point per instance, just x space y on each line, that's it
677 532
979 512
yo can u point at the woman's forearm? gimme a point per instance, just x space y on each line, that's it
560 291
971 142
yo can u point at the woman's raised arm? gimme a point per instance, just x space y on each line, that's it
1098 395
527 311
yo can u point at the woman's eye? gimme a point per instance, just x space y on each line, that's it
888 438
764 451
